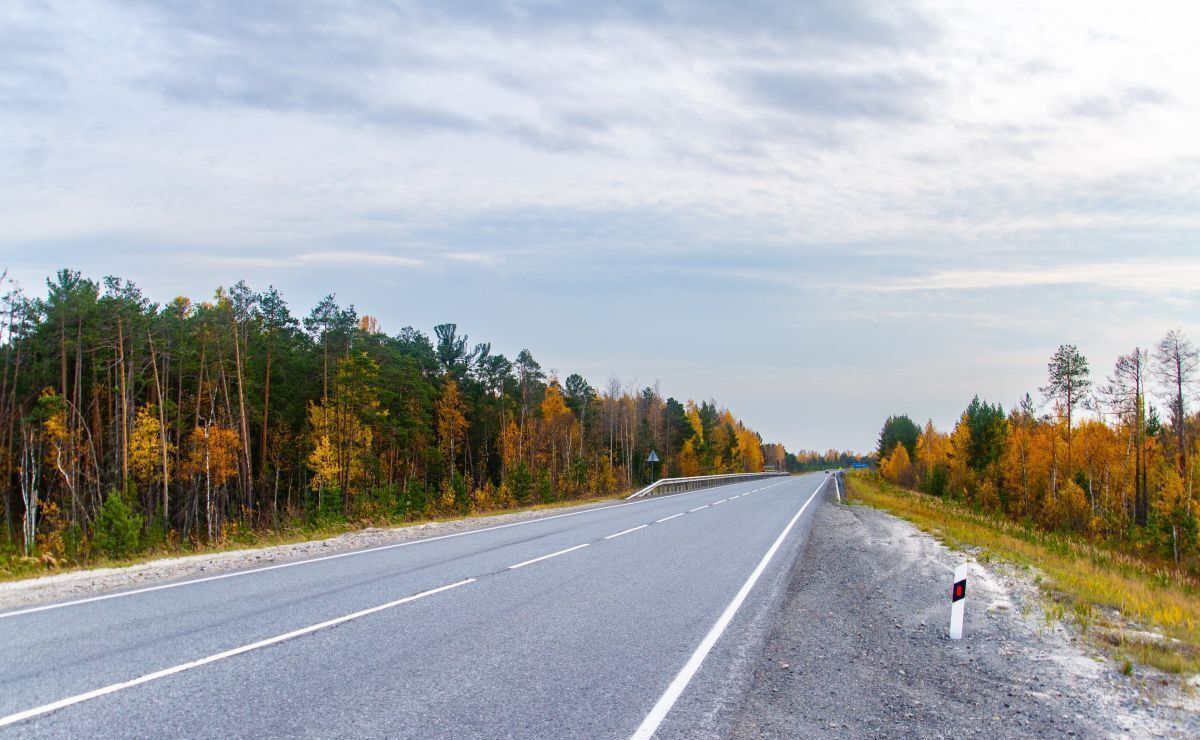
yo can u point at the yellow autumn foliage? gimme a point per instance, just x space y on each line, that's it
337 439
145 446
212 451
897 467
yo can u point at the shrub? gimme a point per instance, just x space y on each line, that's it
117 529
545 487
461 486
155 534
413 500
939 478
329 510
519 482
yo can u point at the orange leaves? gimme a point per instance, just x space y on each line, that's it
897 467
62 441
689 461
693 417
749 449
368 324
145 446
558 423
452 422
554 406
556 435
933 448
212 454
1091 478
510 445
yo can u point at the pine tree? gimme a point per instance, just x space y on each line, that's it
1067 385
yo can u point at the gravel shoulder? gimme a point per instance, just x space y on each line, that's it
84 583
861 649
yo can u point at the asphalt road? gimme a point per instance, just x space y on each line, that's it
643 617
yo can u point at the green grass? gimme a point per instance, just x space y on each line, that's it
13 567
1081 581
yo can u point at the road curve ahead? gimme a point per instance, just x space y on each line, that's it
633 620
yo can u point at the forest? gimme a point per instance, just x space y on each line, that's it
805 461
129 426
1090 456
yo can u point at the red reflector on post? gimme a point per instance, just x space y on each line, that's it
958 601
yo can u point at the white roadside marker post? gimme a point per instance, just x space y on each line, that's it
958 601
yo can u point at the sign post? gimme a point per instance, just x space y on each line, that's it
958 601
652 459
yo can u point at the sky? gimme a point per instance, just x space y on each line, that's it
817 213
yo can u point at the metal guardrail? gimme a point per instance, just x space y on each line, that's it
696 482
839 483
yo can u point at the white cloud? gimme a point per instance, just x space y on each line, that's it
350 259
479 258
736 158
1176 276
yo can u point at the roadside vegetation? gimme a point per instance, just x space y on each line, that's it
1103 507
131 429
13 567
1121 602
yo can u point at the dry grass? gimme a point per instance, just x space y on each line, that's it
1157 611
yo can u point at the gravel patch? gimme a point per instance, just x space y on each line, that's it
861 649
84 583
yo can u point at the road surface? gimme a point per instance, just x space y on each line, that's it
624 621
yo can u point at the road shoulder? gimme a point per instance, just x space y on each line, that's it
85 583
861 649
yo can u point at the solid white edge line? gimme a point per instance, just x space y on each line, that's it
626 531
659 712
547 557
294 563
669 518
113 688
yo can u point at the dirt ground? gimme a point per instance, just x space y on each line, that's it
862 649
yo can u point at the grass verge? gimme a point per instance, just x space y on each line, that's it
1136 611
15 568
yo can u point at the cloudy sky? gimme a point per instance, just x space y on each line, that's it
818 213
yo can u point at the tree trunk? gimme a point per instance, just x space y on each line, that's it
1070 428
31 465
162 435
245 429
1181 417
124 404
8 407
262 453
208 503
77 421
